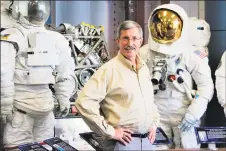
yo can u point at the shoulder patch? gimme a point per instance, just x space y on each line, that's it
200 54
5 37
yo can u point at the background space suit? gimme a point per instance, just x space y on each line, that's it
6 22
174 64
31 59
220 82
199 34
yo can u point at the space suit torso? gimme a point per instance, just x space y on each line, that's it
176 93
164 98
36 62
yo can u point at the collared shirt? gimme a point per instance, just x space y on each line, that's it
119 96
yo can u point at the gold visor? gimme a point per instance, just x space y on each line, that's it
165 26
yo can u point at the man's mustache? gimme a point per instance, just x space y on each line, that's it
128 47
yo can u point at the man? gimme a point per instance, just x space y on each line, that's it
31 59
117 102
174 64
220 82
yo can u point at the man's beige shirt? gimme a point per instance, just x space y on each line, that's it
119 96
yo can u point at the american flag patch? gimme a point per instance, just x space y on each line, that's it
201 54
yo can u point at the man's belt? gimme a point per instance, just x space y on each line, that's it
140 135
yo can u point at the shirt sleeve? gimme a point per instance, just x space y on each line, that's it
89 99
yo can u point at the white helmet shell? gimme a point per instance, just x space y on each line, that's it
199 32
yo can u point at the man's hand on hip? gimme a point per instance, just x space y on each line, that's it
123 135
152 134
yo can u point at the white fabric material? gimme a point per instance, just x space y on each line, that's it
199 35
32 95
174 105
4 5
6 20
194 68
179 45
28 128
31 86
199 32
8 54
221 82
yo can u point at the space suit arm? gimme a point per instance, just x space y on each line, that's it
88 103
65 77
8 54
201 73
221 81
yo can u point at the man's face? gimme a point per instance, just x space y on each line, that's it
129 43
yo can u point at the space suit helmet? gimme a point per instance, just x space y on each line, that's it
31 13
165 26
168 29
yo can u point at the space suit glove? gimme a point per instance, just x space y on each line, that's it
63 108
6 118
187 123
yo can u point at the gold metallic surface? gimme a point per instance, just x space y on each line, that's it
165 26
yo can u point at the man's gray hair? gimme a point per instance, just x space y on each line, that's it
128 24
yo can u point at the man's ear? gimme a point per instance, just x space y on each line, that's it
141 41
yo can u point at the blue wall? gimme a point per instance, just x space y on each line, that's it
75 12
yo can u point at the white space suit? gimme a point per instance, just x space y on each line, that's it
174 65
221 82
31 59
